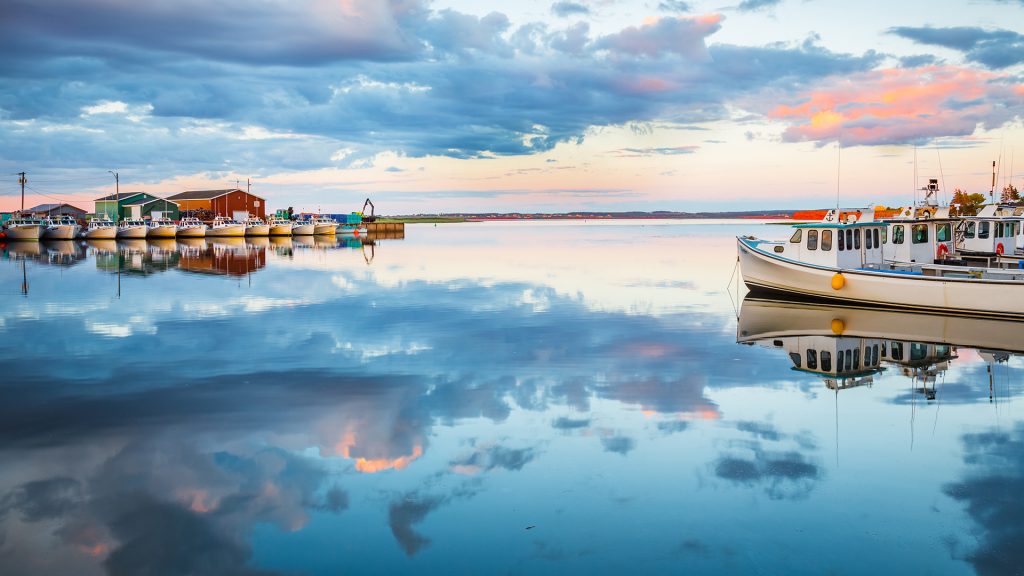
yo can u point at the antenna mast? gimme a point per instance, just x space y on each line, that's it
21 180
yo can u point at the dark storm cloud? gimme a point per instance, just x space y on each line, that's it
39 500
991 492
993 48
566 9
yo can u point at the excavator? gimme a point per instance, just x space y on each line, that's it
371 217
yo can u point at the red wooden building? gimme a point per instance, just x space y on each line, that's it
234 203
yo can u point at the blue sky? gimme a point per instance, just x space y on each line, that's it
479 106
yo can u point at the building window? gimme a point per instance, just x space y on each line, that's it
812 359
812 239
971 228
797 236
919 233
826 361
826 240
983 229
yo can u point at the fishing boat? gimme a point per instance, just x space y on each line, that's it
100 229
256 227
303 228
844 262
223 226
990 233
915 235
63 228
191 228
21 228
280 227
324 225
132 229
351 230
162 228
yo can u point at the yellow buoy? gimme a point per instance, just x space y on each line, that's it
838 326
838 281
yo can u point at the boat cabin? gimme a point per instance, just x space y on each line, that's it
916 236
851 245
844 362
988 233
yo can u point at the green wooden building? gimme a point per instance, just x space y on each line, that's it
136 205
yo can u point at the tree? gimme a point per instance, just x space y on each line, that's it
967 204
1010 194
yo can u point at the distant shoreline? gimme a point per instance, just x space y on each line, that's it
505 217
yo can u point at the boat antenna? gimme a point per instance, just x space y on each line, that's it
941 173
839 166
915 177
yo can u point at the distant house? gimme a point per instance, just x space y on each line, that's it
129 205
154 208
233 203
55 210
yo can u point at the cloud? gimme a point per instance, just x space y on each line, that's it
618 444
995 49
664 151
893 106
488 458
403 514
674 6
40 500
754 5
565 423
566 9
664 36
781 474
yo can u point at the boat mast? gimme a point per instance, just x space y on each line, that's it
21 180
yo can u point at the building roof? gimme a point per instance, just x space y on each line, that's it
49 207
121 197
207 194
151 201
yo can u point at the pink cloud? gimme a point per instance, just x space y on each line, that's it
661 36
901 105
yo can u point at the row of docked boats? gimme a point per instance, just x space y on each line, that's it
67 228
922 259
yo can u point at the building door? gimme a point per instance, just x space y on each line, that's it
240 215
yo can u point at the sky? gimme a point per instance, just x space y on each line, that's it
460 106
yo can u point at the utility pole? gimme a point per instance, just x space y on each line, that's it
21 180
117 191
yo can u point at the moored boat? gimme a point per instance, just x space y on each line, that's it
191 228
324 225
280 227
63 228
24 229
226 227
843 262
100 229
132 229
303 228
256 227
351 230
162 228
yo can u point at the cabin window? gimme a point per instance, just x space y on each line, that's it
874 232
849 240
841 238
943 233
897 234
867 239
885 235
826 361
897 351
970 231
999 230
874 355
856 239
826 240
839 362
849 360
856 359
812 239
919 233
983 229
797 236
795 358
812 359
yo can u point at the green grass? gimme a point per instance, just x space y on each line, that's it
423 220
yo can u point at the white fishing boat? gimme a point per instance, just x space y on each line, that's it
63 228
324 225
162 228
990 233
226 227
919 236
191 228
132 229
21 228
256 227
303 228
351 230
844 262
100 229
280 227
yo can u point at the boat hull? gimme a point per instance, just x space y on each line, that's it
281 230
765 272
233 231
133 232
105 233
258 230
61 232
162 232
322 229
33 232
303 230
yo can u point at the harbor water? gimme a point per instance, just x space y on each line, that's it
490 398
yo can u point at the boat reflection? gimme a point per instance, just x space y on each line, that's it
222 256
849 346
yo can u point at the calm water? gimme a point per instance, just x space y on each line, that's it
526 398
